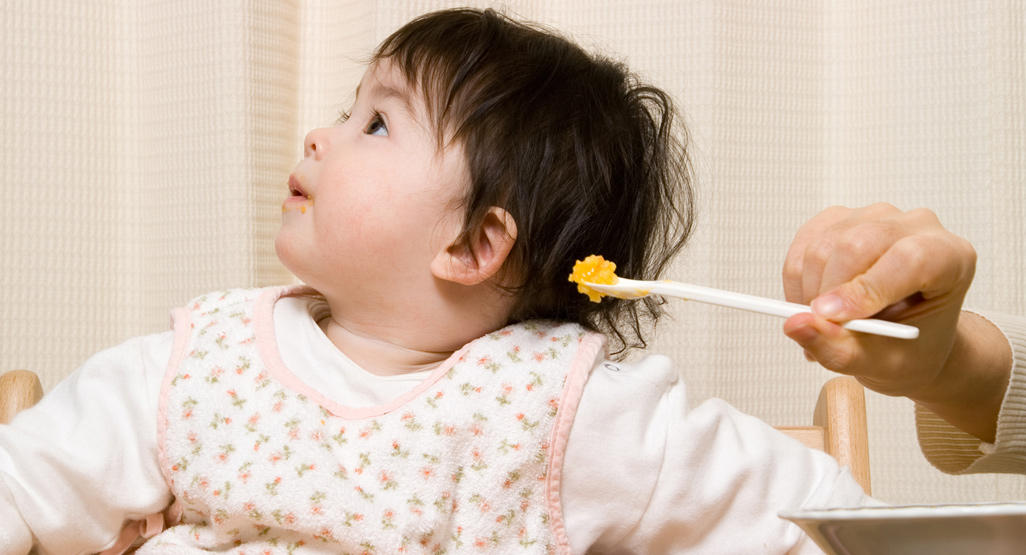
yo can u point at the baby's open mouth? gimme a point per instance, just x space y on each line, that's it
295 189
298 197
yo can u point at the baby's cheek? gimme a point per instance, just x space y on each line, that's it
341 234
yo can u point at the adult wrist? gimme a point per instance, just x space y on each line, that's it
972 382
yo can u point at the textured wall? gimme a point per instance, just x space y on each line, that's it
145 149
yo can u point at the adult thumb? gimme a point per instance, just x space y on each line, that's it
859 298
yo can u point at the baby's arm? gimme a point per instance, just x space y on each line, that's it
82 461
645 474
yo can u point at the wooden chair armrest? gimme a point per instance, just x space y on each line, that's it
841 412
19 390
839 427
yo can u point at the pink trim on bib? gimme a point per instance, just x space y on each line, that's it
267 343
135 530
181 320
573 390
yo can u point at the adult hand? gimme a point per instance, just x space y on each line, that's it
878 261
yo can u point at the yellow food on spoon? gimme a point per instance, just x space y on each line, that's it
593 269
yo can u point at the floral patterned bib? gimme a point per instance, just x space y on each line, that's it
468 461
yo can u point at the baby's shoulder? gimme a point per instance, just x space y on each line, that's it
644 382
652 371
215 301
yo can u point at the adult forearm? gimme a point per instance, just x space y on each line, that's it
971 386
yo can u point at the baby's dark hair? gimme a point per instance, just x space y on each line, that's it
584 157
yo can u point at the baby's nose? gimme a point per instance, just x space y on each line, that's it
316 143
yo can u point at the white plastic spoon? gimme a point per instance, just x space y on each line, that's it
635 289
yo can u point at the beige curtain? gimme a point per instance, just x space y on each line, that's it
145 149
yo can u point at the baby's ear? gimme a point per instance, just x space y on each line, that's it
479 258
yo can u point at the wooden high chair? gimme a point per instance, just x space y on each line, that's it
839 427
838 424
19 390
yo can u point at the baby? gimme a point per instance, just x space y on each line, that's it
437 385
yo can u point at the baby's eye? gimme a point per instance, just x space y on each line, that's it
342 117
377 126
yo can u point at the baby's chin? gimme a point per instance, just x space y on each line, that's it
285 249
309 265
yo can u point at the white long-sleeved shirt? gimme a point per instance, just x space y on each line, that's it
644 472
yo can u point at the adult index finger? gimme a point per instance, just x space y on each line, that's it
930 264
794 261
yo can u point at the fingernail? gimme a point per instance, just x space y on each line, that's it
827 306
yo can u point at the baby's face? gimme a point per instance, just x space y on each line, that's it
374 199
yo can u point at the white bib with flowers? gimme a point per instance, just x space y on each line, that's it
468 461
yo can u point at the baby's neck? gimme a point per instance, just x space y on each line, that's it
383 357
411 328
